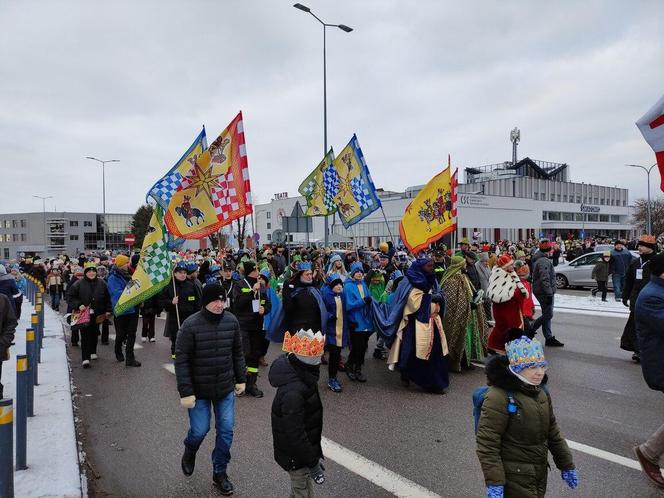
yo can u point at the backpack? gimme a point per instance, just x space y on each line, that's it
479 395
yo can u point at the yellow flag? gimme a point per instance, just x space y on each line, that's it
429 216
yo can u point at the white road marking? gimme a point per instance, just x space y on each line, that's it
170 367
604 455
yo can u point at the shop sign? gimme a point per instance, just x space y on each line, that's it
589 209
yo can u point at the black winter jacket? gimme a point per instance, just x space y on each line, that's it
301 311
633 285
243 295
8 325
93 293
544 276
188 304
297 413
209 360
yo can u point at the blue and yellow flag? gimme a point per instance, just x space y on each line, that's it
355 196
320 188
154 267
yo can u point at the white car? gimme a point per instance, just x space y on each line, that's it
578 273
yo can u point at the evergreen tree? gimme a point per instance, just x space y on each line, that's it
140 223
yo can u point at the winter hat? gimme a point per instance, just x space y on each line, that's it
333 279
213 292
647 241
520 254
191 267
3 270
525 353
465 241
505 260
265 272
657 264
484 257
90 265
249 266
296 258
522 269
606 254
355 267
545 245
121 260
305 345
334 258
304 265
471 255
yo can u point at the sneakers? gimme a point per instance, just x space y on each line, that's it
153 339
133 363
334 385
188 461
552 342
350 372
144 339
93 356
359 376
651 470
223 484
86 364
594 292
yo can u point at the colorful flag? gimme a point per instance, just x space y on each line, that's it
154 267
355 196
430 214
651 126
320 188
214 188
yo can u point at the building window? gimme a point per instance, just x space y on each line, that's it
6 251
73 237
14 223
564 197
554 216
536 195
87 223
596 199
269 226
544 215
615 218
558 197
268 215
269 236
601 201
553 197
593 217
578 216
14 237
624 202
568 216
542 196
23 237
578 199
604 218
6 224
73 223
24 223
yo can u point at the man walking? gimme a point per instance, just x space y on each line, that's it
618 264
544 288
210 371
126 323
8 325
649 312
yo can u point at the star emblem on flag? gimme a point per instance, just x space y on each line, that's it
203 180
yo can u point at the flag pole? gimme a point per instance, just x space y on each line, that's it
388 226
177 309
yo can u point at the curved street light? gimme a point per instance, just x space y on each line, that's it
647 170
103 186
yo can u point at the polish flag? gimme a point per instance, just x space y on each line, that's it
651 126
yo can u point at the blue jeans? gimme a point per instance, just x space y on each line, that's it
55 300
618 281
199 425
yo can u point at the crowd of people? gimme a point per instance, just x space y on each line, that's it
434 314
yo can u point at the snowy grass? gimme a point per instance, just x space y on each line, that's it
588 305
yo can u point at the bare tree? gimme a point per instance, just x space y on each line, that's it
640 215
241 231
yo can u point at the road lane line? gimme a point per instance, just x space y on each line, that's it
373 472
604 455
170 367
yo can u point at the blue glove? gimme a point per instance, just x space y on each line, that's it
494 491
570 477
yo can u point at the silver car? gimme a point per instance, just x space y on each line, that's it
578 273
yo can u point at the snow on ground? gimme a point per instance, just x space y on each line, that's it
588 305
52 456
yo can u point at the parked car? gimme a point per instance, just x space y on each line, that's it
578 273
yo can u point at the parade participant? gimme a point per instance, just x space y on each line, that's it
77 274
192 274
210 372
507 294
275 305
528 305
514 456
126 323
601 275
292 269
376 283
22 285
213 275
336 333
280 261
102 274
358 302
471 271
464 323
464 246
90 292
149 310
54 284
484 273
440 263
649 312
297 411
619 263
227 281
8 287
303 307
544 288
8 323
336 266
180 302
637 276
250 305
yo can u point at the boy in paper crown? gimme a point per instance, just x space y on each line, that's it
517 427
297 411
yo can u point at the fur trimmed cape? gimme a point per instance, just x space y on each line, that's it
503 285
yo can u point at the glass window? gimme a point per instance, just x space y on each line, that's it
73 237
544 215
536 195
542 196
14 237
558 197
553 197
554 216
269 215
604 218
6 224
601 201
24 223
596 200
23 237
6 251
269 235
269 226
564 197
568 216
593 217
87 223
615 218
73 223
624 202
578 216
14 223
578 199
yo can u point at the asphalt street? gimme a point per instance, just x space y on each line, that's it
132 425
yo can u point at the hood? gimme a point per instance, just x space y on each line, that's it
7 276
123 274
287 369
539 255
499 375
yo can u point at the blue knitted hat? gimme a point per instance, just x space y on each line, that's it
355 267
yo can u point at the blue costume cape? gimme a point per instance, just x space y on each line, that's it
330 330
277 328
359 314
275 303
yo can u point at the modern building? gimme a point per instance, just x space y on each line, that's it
53 233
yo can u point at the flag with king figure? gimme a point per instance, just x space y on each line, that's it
154 266
351 186
319 186
430 214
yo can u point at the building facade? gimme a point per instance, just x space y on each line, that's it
53 233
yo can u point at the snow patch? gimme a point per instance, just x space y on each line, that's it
588 305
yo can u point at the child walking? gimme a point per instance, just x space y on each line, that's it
336 335
601 274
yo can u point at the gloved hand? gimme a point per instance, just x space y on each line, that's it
494 491
625 301
570 477
367 300
239 389
188 401
316 473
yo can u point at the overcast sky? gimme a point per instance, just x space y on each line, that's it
135 80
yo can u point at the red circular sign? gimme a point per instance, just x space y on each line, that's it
130 239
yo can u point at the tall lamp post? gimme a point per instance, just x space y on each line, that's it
43 198
103 186
325 25
647 170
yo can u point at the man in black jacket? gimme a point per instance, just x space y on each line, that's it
544 288
180 299
8 325
210 371
297 411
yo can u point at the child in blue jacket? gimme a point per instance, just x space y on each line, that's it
360 324
336 333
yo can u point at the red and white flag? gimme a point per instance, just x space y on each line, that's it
651 126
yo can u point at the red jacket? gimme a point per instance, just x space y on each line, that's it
527 305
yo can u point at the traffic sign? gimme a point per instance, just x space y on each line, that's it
130 239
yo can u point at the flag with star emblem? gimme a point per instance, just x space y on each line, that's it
320 188
153 271
211 187
355 195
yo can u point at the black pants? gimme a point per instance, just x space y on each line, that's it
19 302
601 287
125 331
252 343
148 326
104 331
89 340
2 388
358 348
333 362
266 345
75 337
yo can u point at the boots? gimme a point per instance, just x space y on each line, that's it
350 371
188 461
223 484
252 389
359 376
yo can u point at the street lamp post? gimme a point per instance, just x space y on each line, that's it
647 170
325 25
103 187
43 198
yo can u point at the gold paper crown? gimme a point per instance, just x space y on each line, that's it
304 343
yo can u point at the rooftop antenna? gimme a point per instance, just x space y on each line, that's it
515 138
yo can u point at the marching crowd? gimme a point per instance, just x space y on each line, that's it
435 314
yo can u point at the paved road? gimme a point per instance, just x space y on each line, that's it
133 425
